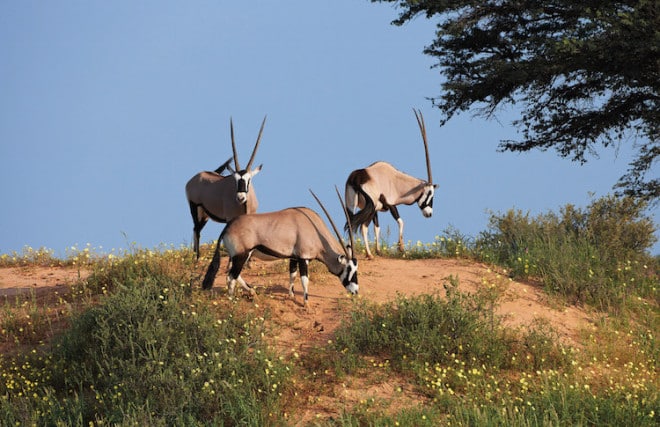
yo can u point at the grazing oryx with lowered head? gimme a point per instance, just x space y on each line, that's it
295 233
222 198
381 187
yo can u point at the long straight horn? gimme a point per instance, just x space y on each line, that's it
348 221
422 129
332 223
233 145
256 145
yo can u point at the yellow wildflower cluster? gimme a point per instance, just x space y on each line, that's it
29 256
20 379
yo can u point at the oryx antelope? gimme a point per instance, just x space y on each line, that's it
381 187
222 198
295 233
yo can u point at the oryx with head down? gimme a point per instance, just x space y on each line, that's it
381 187
222 198
295 233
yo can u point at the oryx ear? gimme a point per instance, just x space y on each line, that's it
435 186
231 169
256 170
224 166
342 259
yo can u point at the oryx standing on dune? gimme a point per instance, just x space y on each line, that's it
222 198
381 187
295 233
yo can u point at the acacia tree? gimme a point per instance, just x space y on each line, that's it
585 74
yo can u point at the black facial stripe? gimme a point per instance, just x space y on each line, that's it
242 186
351 276
427 202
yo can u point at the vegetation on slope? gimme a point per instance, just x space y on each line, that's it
134 341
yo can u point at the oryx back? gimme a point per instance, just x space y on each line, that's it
389 186
293 232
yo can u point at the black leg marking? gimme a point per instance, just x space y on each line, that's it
237 263
304 269
293 269
293 266
395 212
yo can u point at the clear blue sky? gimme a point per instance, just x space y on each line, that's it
108 108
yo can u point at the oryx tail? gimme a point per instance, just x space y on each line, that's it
212 271
354 192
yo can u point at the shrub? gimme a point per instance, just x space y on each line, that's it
150 353
596 256
430 330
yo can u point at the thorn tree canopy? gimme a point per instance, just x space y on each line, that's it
585 74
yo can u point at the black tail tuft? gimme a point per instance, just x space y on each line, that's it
364 215
212 271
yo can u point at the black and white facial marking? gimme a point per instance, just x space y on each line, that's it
243 180
348 276
425 201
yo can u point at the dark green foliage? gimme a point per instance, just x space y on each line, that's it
428 329
597 255
584 73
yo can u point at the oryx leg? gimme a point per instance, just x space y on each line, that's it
303 265
199 221
293 272
365 239
395 214
377 233
234 276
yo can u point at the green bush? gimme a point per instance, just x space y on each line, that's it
150 353
430 329
596 256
